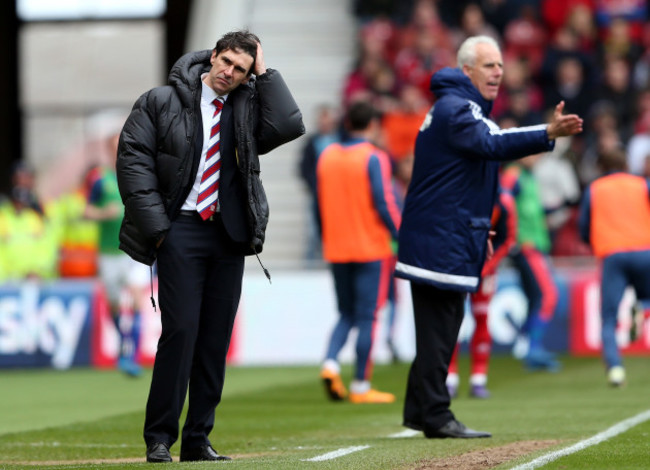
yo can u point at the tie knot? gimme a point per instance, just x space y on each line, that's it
218 104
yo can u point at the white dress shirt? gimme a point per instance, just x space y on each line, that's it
207 111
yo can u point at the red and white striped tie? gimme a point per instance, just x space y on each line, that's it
206 203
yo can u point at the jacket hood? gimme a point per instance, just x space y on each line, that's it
186 72
452 81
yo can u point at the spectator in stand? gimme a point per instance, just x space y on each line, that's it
398 11
379 38
517 79
619 43
602 136
327 132
499 13
615 220
358 81
642 108
639 145
23 179
616 89
580 22
641 69
374 81
425 16
28 246
360 220
530 258
565 44
416 64
472 23
400 126
78 236
570 86
384 89
635 12
525 39
521 110
556 12
504 226
451 11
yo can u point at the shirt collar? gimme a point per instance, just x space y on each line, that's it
208 94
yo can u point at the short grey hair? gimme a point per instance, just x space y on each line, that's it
467 51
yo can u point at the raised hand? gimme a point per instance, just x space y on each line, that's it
563 124
260 66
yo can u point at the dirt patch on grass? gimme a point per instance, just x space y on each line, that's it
486 458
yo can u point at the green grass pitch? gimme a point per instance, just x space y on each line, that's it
279 418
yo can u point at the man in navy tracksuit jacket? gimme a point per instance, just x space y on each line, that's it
443 239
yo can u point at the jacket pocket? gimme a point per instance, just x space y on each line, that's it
479 229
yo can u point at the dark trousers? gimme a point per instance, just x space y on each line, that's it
199 286
438 316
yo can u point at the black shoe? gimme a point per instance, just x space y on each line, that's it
456 429
201 454
158 452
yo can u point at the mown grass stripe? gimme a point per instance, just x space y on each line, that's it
615 430
337 453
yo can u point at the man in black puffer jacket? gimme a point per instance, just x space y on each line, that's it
188 171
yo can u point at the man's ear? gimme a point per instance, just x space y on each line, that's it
213 57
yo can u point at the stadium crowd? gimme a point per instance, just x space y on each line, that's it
45 239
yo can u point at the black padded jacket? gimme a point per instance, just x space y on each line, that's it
160 149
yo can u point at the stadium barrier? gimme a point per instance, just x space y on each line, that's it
67 323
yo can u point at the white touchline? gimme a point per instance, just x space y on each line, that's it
405 433
335 454
597 439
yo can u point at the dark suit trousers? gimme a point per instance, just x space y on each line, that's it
438 316
199 286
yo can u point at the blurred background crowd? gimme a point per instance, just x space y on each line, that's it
593 54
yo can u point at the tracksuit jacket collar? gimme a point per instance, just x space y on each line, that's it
452 81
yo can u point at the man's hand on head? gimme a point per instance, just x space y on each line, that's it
563 124
260 66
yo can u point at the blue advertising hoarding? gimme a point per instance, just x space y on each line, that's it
46 324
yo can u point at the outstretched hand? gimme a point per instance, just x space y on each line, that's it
563 124
260 66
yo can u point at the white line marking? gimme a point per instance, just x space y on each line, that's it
597 439
335 454
405 433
